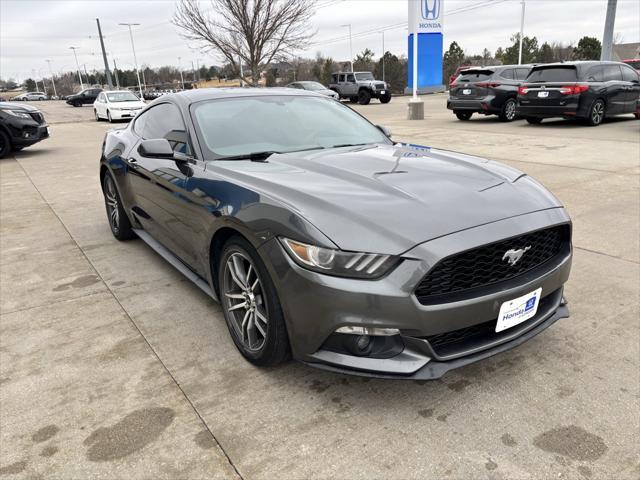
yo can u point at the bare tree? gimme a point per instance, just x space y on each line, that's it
255 32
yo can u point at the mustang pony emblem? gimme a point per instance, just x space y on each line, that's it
514 256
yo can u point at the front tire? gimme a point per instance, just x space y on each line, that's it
364 97
508 112
596 113
385 98
117 217
250 305
464 116
5 144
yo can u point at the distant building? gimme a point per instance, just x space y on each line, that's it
624 51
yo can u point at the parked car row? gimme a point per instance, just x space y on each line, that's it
587 90
30 97
358 87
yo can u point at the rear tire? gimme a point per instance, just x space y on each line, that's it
364 97
353 99
250 304
95 112
596 113
533 120
508 112
464 116
5 144
117 217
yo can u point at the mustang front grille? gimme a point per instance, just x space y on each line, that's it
492 264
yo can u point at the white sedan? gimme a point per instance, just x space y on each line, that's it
117 105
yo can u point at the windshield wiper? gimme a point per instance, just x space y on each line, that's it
348 145
262 156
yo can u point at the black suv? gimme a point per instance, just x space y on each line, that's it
87 96
20 126
589 91
487 90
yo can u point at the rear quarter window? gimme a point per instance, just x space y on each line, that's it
553 74
629 74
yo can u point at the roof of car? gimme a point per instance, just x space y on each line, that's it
577 63
200 94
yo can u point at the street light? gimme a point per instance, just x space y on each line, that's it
350 46
77 66
53 78
135 60
521 34
180 68
382 32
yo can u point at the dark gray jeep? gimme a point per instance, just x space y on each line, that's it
359 87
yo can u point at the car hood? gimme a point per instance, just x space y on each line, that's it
18 107
389 198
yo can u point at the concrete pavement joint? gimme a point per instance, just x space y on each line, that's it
133 323
607 255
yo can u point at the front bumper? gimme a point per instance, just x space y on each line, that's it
124 114
316 305
23 135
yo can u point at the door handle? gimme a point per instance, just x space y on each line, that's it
133 163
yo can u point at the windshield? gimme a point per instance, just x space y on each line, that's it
313 86
553 74
364 76
241 126
122 97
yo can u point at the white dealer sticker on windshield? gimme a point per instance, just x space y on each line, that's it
518 310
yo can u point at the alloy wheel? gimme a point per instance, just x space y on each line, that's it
244 301
597 113
510 110
111 199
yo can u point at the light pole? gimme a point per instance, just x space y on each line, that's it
53 78
382 55
180 68
78 67
350 46
135 60
521 34
607 36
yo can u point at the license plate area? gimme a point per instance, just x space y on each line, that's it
514 312
543 94
466 91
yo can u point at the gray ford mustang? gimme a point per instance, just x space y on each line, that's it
326 241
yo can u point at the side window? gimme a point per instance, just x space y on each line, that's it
165 121
595 74
508 73
334 78
342 77
351 78
521 73
629 75
612 72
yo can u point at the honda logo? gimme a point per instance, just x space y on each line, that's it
430 9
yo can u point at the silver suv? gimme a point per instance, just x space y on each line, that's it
359 87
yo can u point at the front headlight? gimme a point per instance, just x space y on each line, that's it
339 263
17 113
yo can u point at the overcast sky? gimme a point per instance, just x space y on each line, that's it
32 31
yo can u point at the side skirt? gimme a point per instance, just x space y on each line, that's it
176 262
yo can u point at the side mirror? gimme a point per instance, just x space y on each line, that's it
385 130
156 148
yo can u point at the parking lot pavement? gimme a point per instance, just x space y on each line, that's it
112 365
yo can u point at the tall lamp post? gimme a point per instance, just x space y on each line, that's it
135 60
521 34
78 67
382 55
53 78
350 46
180 68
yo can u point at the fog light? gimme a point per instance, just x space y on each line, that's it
362 342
